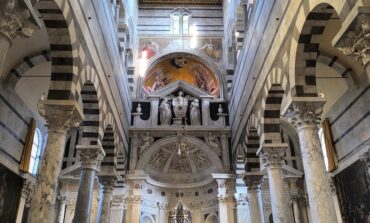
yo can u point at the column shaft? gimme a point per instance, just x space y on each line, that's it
273 158
321 202
62 208
278 201
297 214
4 47
43 205
84 197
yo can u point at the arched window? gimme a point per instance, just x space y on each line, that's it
36 152
180 21
185 24
176 24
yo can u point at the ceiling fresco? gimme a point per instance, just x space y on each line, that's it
181 68
182 2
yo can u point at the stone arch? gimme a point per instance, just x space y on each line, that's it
202 57
212 218
89 75
340 66
159 175
146 218
27 64
311 21
108 144
252 141
269 109
58 19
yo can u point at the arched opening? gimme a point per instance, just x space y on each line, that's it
62 37
90 125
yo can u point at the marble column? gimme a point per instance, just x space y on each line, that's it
62 200
297 215
16 21
226 200
117 209
272 156
225 151
205 110
134 152
91 157
304 114
105 199
162 213
60 116
242 208
134 198
25 199
253 181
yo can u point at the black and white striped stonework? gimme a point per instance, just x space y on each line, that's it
57 17
120 168
252 162
308 49
30 62
240 166
109 147
90 124
271 116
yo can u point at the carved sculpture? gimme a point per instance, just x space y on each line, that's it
195 112
180 105
147 141
214 143
355 43
165 112
14 20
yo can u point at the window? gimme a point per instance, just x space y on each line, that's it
36 152
185 24
176 24
323 147
181 21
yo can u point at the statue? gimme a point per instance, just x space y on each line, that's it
165 113
180 105
147 141
195 113
214 143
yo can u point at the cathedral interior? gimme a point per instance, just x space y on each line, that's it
184 111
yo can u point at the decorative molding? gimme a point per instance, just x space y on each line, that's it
253 181
303 112
180 2
15 20
91 156
354 42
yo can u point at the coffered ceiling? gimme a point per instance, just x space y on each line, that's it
180 2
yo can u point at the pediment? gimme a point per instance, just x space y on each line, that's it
180 85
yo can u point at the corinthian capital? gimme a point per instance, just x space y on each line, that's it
305 111
353 39
60 115
273 155
16 19
253 181
107 183
91 156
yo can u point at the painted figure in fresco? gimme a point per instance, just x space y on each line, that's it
195 112
161 80
165 113
150 47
